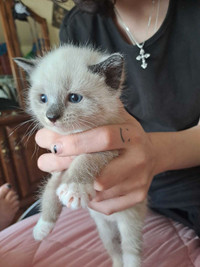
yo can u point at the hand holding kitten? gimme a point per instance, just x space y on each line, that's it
125 181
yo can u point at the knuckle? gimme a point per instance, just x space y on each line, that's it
141 196
74 142
100 187
143 182
109 212
104 185
106 137
137 137
141 159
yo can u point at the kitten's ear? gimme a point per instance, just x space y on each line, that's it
26 64
112 68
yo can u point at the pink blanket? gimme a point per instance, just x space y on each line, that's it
74 242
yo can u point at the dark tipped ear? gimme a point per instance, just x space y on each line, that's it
27 64
111 68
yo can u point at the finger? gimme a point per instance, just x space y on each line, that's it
99 139
103 138
129 162
113 205
4 189
51 163
114 173
16 207
45 138
15 203
121 189
14 198
10 195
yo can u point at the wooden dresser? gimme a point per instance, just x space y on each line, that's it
18 158
18 151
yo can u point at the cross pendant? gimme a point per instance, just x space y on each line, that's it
142 56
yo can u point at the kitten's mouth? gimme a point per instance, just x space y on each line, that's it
53 125
61 128
67 126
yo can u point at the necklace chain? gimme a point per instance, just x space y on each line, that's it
142 56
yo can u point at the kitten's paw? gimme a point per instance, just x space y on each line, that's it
42 229
74 195
117 261
130 260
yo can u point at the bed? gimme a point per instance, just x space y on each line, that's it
74 242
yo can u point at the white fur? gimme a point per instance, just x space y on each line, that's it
42 229
121 234
75 195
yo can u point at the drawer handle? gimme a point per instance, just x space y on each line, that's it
4 151
17 148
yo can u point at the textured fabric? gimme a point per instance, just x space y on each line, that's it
74 242
163 97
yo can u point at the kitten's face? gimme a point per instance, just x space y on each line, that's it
68 95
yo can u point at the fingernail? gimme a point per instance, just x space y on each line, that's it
97 186
9 186
56 149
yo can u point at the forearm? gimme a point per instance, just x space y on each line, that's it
176 150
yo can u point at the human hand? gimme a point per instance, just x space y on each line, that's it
125 180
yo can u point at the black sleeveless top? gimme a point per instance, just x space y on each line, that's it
166 95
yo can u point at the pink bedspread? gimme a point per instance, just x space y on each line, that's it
74 242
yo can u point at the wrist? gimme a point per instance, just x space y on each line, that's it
161 156
176 150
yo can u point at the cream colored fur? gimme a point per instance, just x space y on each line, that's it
63 71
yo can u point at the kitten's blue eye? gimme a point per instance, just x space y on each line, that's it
75 98
43 98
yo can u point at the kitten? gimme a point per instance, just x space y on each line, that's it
74 89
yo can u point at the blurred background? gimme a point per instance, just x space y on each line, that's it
27 29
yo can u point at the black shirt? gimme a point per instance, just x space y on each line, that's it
163 97
166 95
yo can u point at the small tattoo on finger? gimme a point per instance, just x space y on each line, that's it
121 135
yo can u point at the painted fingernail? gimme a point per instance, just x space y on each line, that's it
9 186
56 149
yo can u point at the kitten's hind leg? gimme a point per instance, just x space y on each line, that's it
50 208
110 237
130 224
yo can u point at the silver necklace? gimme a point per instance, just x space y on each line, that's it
142 55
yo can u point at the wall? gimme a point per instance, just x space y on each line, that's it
44 9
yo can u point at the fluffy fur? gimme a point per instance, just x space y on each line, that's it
96 80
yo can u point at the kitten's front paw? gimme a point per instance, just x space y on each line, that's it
75 195
42 229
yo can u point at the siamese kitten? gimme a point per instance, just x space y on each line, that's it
74 89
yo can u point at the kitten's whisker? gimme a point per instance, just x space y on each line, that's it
87 122
27 130
20 125
36 149
32 131
19 110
